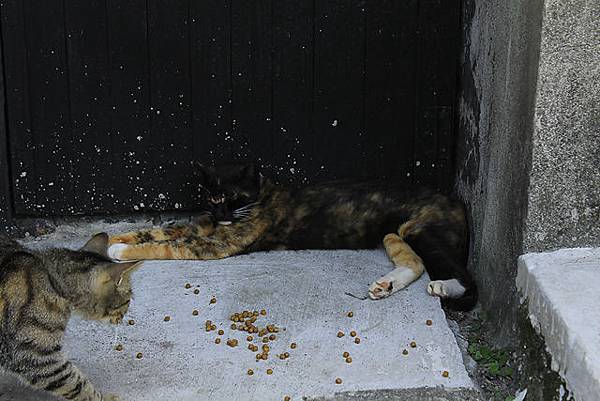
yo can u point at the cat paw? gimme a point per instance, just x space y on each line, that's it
117 251
380 289
111 397
394 281
446 289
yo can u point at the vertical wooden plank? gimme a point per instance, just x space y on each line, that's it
130 105
170 82
49 108
251 61
89 84
19 133
391 76
438 58
339 88
293 134
210 41
5 198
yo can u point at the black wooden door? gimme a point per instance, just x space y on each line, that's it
109 102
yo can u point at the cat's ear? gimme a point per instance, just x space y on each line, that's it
249 171
98 244
204 169
204 172
117 271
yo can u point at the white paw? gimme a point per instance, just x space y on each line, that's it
446 289
380 289
394 281
116 251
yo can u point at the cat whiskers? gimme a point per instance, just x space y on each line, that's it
246 207
244 212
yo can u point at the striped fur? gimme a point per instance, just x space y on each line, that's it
38 292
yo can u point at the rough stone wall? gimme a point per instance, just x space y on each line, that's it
564 190
494 152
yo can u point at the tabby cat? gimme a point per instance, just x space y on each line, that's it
420 228
38 292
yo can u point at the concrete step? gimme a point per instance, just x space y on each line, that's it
304 293
561 290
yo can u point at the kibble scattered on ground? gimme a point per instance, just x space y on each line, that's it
250 322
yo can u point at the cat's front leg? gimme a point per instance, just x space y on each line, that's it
62 378
174 250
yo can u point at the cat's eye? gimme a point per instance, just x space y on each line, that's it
217 200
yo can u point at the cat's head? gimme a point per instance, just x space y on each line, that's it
230 191
98 288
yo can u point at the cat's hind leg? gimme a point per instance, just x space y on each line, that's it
409 267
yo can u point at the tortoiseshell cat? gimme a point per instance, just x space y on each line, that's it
420 228
38 293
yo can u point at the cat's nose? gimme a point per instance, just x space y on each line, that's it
220 212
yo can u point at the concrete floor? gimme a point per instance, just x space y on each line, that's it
304 294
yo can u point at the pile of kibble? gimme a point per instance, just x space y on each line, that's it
246 321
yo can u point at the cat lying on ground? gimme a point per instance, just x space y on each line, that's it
420 229
38 292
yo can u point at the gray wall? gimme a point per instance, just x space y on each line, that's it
529 149
496 108
564 190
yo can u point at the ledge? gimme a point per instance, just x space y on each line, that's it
561 289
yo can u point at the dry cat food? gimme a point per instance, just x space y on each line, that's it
269 371
286 398
139 355
188 285
293 345
167 318
131 322
350 314
346 354
445 373
338 381
217 340
413 344
250 372
221 332
195 312
196 291
405 352
429 322
119 347
232 342
357 340
349 360
353 333
340 334
213 300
